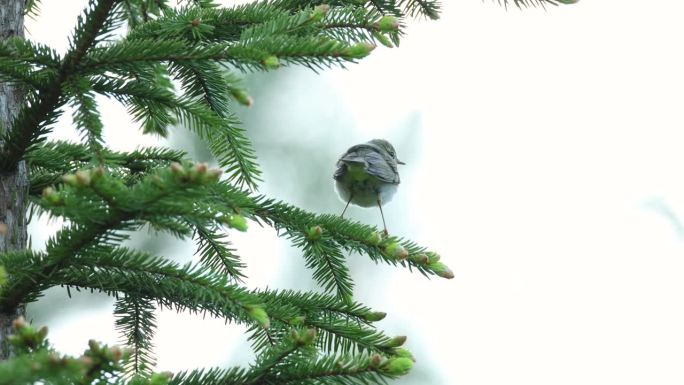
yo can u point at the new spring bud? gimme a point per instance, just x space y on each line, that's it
374 239
433 257
299 320
19 323
359 50
97 173
83 178
375 360
395 342
70 179
306 337
235 221
242 97
314 233
383 39
401 352
397 366
374 316
42 333
177 169
3 276
441 270
420 259
201 168
396 251
94 346
271 62
117 353
215 173
388 24
259 315
319 12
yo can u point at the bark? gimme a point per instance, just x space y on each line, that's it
13 183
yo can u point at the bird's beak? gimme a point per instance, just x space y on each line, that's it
400 162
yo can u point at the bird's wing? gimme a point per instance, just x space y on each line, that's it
381 167
372 159
350 157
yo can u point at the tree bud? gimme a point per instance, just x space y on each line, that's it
52 196
314 233
375 360
383 39
201 168
420 259
42 333
401 352
374 316
441 270
117 354
242 97
19 323
396 251
215 173
3 275
70 179
397 366
271 62
359 50
433 257
374 239
195 22
306 337
83 178
388 23
235 221
395 342
259 315
97 172
177 169
94 346
319 12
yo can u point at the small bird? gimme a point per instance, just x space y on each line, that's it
367 175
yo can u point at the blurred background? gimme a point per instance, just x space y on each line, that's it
544 163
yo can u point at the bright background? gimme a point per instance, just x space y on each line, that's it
544 163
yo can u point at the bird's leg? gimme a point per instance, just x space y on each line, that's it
345 207
383 217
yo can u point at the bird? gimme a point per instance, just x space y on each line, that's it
367 175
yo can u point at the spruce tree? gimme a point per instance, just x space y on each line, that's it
178 67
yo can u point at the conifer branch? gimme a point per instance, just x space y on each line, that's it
38 114
138 274
136 323
215 252
86 117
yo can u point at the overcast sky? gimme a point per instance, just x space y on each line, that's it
544 153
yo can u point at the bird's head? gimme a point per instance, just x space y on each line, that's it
387 147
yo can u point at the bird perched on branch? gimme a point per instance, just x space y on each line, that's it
367 175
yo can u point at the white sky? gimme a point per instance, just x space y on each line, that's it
545 166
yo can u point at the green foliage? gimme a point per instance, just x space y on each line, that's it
178 67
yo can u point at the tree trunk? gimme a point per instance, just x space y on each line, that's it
13 183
